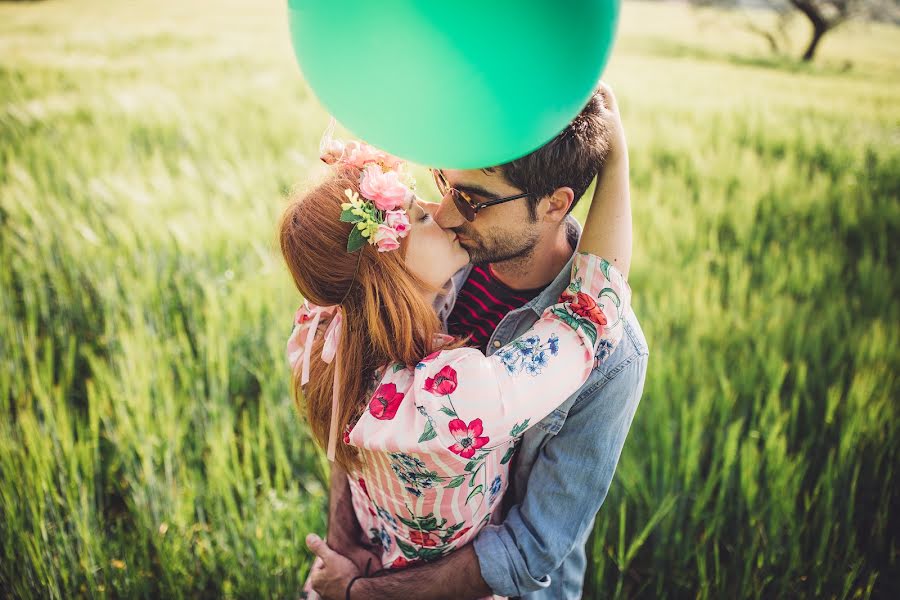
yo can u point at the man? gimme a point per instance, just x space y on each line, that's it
514 222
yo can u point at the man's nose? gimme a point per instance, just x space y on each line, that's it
447 216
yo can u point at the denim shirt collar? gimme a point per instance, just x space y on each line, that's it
552 292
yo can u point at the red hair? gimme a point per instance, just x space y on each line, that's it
386 318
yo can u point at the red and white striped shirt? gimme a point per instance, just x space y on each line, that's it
482 303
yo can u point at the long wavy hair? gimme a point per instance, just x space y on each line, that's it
386 318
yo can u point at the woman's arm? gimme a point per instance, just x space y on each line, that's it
470 403
607 228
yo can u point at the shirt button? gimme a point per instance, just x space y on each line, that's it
497 344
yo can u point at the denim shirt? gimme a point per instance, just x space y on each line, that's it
568 460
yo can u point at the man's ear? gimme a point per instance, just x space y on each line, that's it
558 204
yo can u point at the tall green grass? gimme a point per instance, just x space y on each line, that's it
148 444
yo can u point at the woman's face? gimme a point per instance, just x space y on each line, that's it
432 254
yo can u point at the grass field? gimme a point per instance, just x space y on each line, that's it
148 444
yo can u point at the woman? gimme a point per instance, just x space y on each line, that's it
427 426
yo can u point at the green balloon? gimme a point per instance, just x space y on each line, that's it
461 84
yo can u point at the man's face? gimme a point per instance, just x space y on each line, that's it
498 233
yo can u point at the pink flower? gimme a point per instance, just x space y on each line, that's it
389 161
385 402
332 152
468 437
386 239
359 154
397 220
384 189
443 383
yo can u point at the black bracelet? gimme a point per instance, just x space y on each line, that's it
350 585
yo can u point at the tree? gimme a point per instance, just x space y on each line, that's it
823 15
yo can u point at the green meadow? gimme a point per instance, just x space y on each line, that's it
149 446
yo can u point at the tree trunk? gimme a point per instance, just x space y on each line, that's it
818 32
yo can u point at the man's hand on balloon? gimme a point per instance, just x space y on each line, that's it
331 573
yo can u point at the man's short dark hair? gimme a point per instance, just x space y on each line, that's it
573 158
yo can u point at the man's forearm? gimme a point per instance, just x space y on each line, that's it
455 577
344 531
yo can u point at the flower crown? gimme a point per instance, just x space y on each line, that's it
379 210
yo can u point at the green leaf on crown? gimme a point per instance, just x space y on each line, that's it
356 240
347 216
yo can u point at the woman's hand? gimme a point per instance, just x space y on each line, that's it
610 113
331 573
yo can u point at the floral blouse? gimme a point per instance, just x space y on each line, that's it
436 439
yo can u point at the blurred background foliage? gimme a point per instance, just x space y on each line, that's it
148 443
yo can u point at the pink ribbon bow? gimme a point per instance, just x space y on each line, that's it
312 314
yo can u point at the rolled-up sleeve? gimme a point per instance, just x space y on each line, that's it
566 487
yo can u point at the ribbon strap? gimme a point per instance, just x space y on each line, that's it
313 315
329 353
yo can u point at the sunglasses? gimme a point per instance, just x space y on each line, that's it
466 206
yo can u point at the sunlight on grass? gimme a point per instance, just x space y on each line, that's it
149 445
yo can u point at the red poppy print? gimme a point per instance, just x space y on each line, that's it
362 484
459 534
585 306
468 437
443 383
385 402
347 435
401 563
431 356
424 538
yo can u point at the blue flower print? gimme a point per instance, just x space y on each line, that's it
553 343
380 537
412 473
495 490
528 354
387 517
507 355
385 539
604 348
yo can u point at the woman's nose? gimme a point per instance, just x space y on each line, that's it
446 215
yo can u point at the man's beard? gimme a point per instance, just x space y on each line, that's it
498 249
